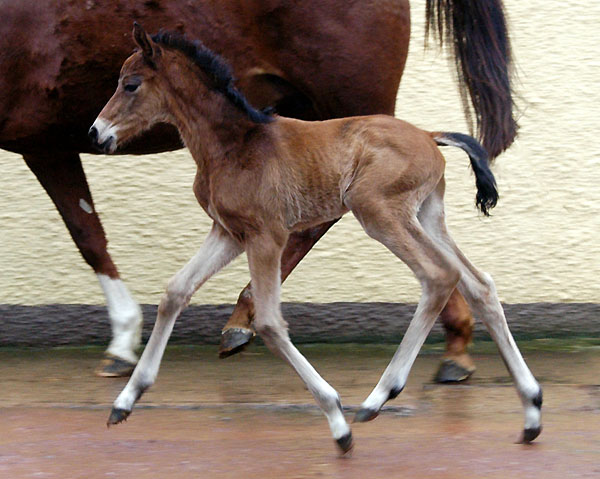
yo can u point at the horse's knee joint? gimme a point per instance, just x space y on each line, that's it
447 279
171 302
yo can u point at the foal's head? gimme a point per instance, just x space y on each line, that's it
139 101
162 67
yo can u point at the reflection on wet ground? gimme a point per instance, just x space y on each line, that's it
250 416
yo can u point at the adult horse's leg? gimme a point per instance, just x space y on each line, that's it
63 178
458 322
238 332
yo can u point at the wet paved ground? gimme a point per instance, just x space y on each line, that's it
250 417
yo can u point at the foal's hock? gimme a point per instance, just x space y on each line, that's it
260 177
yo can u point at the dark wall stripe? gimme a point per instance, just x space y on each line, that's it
64 324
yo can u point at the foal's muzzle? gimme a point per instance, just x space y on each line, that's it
107 146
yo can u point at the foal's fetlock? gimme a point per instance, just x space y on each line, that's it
533 414
120 358
365 414
124 403
337 422
370 409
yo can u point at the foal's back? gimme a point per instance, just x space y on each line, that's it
319 168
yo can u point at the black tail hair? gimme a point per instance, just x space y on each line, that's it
487 192
477 30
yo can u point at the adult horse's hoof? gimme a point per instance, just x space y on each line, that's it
451 371
345 443
117 416
365 414
234 340
113 367
530 434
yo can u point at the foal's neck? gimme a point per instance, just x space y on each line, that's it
211 127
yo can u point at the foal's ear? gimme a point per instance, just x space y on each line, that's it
143 40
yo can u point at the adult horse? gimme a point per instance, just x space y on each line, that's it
314 59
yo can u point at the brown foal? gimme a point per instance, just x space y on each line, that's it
261 177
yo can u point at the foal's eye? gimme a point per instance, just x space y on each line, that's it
131 87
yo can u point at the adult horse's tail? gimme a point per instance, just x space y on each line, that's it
487 192
478 31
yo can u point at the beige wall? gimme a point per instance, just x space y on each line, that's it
542 244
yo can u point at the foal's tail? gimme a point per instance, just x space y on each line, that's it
487 192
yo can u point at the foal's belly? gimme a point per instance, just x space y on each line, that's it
316 214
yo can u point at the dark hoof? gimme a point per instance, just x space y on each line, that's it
364 415
234 340
530 434
117 416
112 367
345 443
452 372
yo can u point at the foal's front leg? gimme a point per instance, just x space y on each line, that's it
264 255
216 252
238 332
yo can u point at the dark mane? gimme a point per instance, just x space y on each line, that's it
216 68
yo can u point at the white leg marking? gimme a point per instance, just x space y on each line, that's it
125 319
216 252
85 206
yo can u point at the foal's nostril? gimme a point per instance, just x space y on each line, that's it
93 134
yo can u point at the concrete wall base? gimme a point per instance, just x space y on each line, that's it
75 324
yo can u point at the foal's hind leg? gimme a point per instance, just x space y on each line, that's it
403 235
216 252
63 178
479 291
264 261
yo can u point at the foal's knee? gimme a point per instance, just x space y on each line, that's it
444 281
172 301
